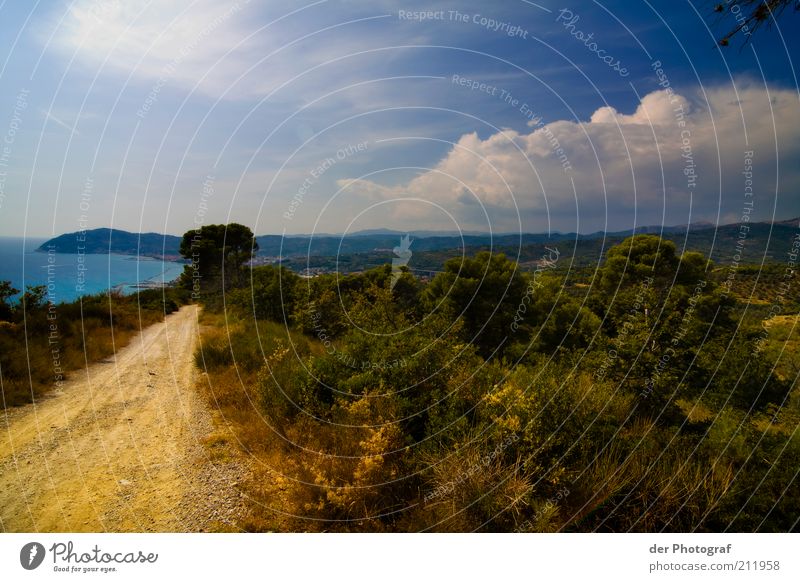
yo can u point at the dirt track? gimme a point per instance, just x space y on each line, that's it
119 447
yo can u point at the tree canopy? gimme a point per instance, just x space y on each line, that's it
216 252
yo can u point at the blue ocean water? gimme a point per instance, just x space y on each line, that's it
73 275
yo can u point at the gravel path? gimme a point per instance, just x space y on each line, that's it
120 447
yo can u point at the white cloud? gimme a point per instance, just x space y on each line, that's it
238 50
617 162
175 39
657 108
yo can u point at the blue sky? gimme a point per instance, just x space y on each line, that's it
345 115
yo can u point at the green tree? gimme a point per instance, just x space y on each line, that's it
271 294
659 307
485 292
635 260
318 309
6 293
216 251
34 297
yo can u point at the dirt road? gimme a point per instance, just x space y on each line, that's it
120 446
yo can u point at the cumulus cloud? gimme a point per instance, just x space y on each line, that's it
657 108
677 158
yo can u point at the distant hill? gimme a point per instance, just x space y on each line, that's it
299 246
764 241
105 240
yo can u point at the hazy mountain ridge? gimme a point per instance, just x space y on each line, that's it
763 239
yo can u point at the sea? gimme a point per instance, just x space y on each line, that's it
69 276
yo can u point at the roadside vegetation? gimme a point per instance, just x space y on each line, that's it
44 344
652 396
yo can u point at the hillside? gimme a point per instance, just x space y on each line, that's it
764 242
104 240
491 383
